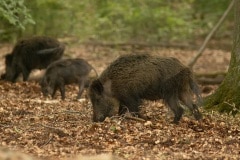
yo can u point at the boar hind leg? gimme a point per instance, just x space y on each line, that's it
186 98
175 107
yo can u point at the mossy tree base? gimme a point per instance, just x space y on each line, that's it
227 96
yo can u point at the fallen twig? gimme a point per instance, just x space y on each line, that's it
134 118
49 140
204 80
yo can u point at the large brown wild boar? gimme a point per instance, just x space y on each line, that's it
29 54
132 78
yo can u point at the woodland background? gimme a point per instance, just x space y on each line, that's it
156 21
99 31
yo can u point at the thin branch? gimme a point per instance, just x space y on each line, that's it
134 118
215 28
49 140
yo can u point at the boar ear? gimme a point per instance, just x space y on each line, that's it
97 86
108 87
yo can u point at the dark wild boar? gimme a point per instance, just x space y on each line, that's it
63 72
132 78
29 54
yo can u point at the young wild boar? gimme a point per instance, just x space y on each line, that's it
132 78
63 72
29 54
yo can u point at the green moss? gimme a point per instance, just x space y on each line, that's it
227 96
223 107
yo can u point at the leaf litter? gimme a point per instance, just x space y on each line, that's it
45 128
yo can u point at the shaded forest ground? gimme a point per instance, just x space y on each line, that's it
56 129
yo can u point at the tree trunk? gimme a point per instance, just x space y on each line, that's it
227 96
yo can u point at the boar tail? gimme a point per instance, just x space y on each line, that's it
95 71
58 49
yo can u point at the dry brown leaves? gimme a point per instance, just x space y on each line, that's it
55 129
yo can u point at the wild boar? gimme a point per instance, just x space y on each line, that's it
29 54
64 72
136 77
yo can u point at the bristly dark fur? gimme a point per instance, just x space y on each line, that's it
132 78
64 72
29 54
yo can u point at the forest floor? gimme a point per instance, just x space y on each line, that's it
52 129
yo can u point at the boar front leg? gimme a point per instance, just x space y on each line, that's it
187 100
130 104
81 88
175 107
12 74
25 73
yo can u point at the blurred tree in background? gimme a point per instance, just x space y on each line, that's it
14 15
113 20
